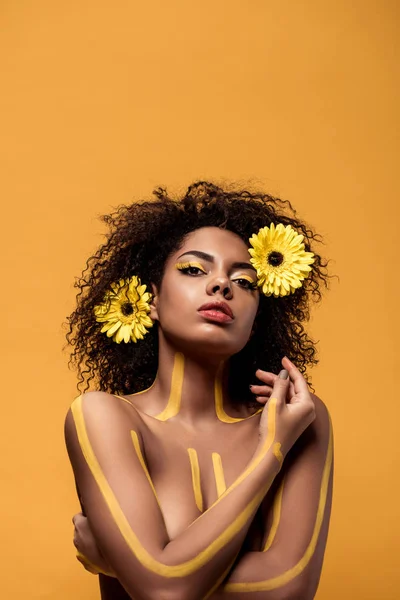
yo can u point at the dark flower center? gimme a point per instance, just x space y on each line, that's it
127 309
275 259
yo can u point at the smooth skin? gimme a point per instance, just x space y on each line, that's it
179 534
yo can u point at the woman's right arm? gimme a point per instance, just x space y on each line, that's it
127 522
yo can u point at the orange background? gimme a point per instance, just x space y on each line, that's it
103 101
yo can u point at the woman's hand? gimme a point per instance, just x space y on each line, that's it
88 552
295 409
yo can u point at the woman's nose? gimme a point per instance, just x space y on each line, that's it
220 285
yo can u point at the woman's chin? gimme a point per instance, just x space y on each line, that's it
208 344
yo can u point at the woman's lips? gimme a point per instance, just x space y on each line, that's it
219 312
215 315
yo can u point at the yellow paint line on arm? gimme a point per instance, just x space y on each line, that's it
284 578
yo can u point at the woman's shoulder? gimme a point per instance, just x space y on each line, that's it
322 415
314 445
319 433
98 408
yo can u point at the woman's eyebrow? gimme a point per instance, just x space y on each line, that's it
199 254
243 265
210 258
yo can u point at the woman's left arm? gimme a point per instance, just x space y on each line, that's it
290 565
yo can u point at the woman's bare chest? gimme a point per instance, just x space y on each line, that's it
190 470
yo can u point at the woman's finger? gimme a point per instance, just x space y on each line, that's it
75 541
299 383
270 379
280 388
262 399
82 559
266 376
78 518
261 390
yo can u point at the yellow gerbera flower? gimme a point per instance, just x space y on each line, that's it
280 260
124 311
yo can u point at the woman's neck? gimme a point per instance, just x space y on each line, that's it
188 388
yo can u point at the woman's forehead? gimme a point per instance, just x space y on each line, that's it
220 243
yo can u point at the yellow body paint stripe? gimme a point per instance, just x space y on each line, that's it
219 405
276 517
218 474
136 445
194 464
280 580
175 394
142 555
277 452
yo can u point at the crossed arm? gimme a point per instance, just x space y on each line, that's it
128 526
289 567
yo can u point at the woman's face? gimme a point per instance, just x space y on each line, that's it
208 298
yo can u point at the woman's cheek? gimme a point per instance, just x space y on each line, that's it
183 297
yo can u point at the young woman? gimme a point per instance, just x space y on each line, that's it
204 463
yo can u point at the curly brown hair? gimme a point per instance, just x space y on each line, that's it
141 237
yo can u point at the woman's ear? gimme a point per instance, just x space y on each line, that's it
154 303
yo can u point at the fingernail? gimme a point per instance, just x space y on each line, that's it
283 374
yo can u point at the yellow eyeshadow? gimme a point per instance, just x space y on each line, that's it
247 278
186 265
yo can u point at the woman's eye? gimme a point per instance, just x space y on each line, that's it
190 269
193 270
246 283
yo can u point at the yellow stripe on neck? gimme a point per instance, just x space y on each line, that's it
219 403
175 394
